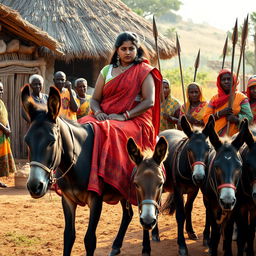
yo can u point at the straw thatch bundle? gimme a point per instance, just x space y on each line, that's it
16 24
88 28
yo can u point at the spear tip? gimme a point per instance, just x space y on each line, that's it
155 33
196 65
235 33
177 43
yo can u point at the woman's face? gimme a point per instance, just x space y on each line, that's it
81 88
36 86
127 52
193 93
225 82
253 92
166 89
1 90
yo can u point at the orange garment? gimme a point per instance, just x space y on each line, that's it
220 101
65 111
110 160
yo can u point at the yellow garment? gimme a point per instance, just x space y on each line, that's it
65 105
168 107
221 123
84 108
196 112
6 159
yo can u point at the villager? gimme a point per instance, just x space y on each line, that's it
218 105
7 164
69 105
83 99
170 108
36 83
125 103
195 105
251 94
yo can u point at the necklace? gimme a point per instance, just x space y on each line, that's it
124 68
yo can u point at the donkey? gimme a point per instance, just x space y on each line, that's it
185 173
56 144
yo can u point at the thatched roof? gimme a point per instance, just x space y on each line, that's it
88 28
16 24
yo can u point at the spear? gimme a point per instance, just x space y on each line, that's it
181 75
155 33
243 43
196 65
231 92
224 52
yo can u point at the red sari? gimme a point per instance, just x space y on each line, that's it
110 160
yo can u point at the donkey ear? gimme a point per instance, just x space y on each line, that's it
134 152
160 150
214 139
186 127
209 127
27 104
240 138
54 103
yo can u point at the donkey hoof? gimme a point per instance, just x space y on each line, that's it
192 235
114 252
145 254
156 238
206 242
183 252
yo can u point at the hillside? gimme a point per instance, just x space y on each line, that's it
193 37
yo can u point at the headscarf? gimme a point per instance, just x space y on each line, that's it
201 99
222 96
251 82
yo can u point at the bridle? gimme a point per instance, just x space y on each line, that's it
157 204
51 170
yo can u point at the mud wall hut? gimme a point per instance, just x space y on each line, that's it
20 44
87 30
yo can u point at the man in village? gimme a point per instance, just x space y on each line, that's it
69 105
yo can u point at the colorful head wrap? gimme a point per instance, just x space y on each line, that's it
201 99
251 82
222 96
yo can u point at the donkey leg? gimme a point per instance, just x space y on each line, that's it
69 209
214 238
206 232
180 219
95 212
146 243
126 219
188 210
155 233
227 242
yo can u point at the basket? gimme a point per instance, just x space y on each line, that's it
20 182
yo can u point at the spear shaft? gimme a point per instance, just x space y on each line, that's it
155 33
242 48
224 52
181 74
197 62
231 91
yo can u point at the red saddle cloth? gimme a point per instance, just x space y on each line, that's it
110 161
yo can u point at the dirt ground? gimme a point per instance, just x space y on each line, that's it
35 227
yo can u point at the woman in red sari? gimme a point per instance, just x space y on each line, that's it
125 103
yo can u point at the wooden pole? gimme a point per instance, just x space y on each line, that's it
181 74
196 65
224 52
231 91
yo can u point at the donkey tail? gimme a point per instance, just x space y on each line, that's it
169 206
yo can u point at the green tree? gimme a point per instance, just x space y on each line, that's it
157 7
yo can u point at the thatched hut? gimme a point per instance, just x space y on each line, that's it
87 30
20 43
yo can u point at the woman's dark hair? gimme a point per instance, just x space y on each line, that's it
133 37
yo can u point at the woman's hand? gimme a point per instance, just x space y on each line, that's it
101 116
233 119
118 117
225 112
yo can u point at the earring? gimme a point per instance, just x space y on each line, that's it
118 60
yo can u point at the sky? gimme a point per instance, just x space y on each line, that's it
216 12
